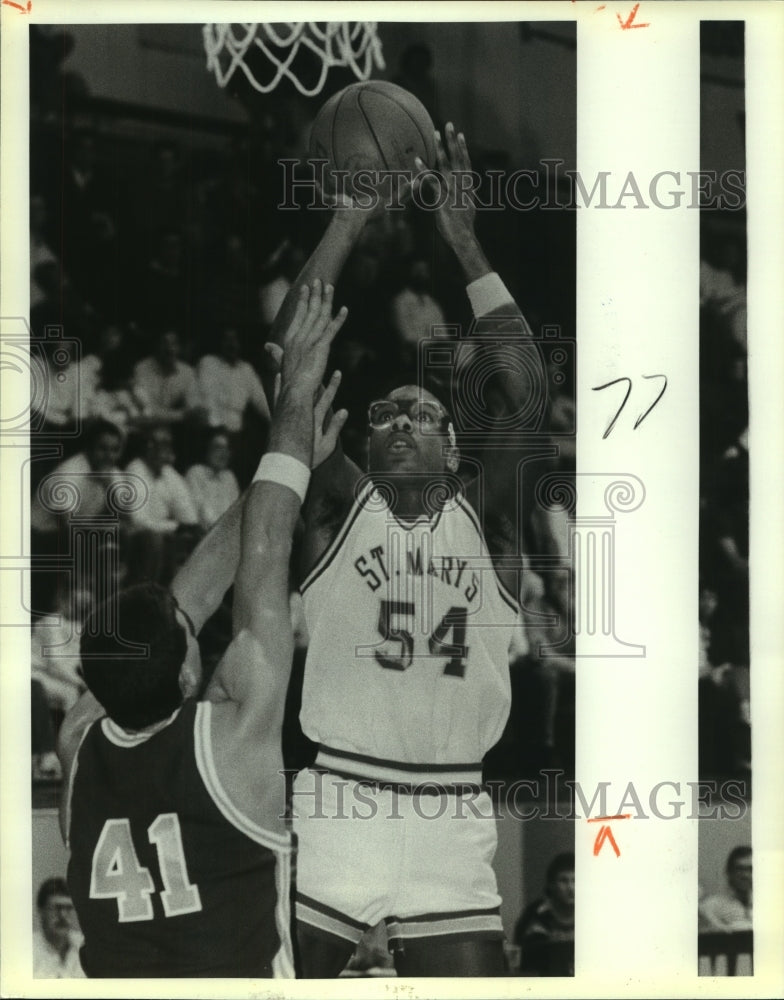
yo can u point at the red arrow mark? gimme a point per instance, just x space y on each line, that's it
25 8
605 833
628 22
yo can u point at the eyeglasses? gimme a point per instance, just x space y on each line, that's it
425 413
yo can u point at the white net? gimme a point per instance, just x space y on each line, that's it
354 44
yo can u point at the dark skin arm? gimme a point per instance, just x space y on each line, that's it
493 492
332 482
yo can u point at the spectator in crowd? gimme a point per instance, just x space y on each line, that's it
234 197
55 648
730 910
213 485
166 383
278 271
57 939
110 342
114 396
550 672
162 201
229 385
166 291
724 717
86 476
80 485
105 381
166 518
232 293
731 519
725 722
539 731
40 251
545 931
57 406
706 605
58 303
87 201
721 290
46 764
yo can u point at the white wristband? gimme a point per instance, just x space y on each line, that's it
487 293
275 467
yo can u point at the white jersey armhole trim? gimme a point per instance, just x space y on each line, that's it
283 962
69 789
205 762
331 550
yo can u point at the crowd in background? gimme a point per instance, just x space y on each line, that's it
724 686
158 263
163 261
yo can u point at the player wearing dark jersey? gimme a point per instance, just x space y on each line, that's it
179 853
410 605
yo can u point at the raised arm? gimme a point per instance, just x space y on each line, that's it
499 323
334 477
325 263
255 670
202 581
489 297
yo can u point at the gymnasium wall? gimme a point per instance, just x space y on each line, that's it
496 86
162 66
508 108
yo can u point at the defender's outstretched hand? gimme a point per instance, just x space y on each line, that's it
327 424
308 338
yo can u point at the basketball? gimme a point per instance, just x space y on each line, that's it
371 126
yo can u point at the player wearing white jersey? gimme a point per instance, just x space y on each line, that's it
410 607
442 636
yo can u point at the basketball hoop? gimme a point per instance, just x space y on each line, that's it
335 43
